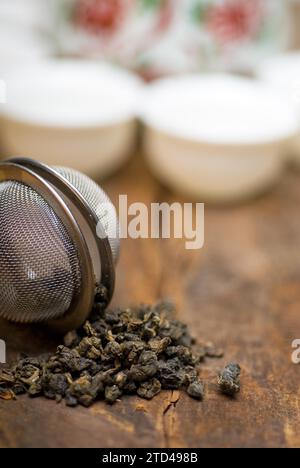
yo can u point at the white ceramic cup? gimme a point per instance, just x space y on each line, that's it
215 137
282 72
72 113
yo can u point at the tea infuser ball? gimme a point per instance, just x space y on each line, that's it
58 242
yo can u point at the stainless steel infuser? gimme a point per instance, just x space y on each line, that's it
58 240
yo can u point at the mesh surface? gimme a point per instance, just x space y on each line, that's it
99 202
38 262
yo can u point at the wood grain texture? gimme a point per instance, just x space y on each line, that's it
242 290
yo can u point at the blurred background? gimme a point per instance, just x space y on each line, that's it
79 75
151 37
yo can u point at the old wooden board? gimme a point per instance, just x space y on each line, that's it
242 290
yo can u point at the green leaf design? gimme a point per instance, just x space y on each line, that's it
199 10
151 4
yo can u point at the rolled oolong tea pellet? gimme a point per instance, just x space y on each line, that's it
196 390
112 394
149 389
229 379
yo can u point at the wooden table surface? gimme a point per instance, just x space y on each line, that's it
242 291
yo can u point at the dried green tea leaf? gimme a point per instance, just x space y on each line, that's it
229 380
196 390
150 389
139 350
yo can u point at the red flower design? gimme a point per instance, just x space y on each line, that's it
235 20
165 15
100 15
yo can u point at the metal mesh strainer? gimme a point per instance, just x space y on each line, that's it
99 203
50 253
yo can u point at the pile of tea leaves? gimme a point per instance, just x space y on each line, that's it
116 352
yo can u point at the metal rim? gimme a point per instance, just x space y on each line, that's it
82 302
62 184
